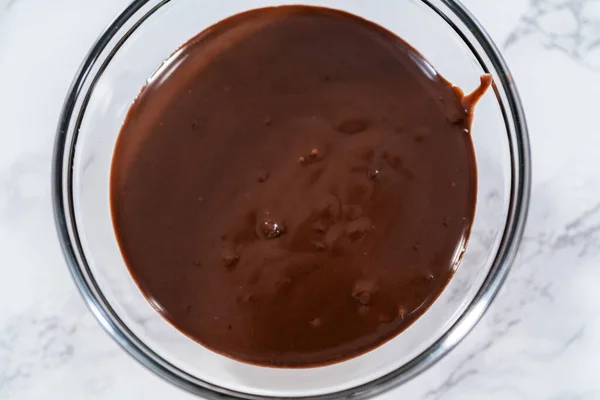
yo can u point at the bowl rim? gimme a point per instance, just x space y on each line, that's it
116 328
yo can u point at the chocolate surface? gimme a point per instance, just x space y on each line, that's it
295 186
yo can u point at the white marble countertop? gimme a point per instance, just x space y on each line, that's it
539 340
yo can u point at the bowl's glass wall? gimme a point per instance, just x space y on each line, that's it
116 86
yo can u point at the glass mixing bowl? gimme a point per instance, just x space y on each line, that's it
116 68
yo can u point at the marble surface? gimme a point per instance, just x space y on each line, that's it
539 340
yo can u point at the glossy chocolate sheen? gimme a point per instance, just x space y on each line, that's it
295 186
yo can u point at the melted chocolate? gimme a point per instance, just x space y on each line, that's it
294 186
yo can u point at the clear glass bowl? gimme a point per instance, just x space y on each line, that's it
111 76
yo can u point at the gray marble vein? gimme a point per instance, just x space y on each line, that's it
561 349
526 288
7 5
30 345
540 340
569 26
463 370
